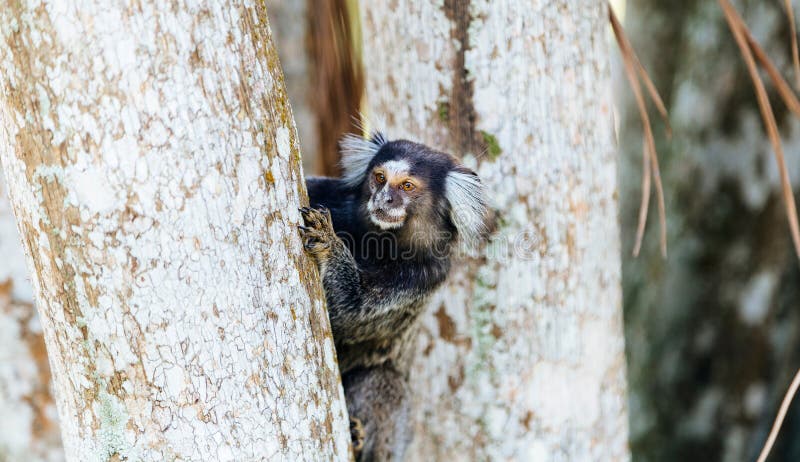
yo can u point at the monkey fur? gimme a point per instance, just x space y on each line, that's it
383 237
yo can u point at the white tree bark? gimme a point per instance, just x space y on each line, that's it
28 424
152 163
522 354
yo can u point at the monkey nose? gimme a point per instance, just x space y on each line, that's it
389 200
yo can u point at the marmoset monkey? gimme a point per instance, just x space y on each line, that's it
383 236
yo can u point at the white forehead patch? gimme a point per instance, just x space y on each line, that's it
396 167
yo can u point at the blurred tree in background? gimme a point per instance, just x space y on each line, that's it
337 85
713 332
317 43
289 32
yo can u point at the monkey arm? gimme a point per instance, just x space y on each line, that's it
369 304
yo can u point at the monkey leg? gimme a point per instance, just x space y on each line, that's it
378 398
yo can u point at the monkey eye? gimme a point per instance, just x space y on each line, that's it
380 178
407 186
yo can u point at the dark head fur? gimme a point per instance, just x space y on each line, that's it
450 204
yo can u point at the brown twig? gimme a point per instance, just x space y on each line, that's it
645 199
632 68
784 90
651 89
795 52
738 27
776 426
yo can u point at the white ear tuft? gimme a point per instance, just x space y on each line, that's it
469 205
357 152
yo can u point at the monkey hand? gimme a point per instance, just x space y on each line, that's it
317 235
357 435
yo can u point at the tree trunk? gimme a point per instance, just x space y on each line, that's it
28 425
521 355
713 331
152 164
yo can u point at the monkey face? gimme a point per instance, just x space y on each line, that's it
425 195
392 193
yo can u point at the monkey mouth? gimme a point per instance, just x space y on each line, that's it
388 219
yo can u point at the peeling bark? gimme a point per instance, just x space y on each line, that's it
521 356
152 163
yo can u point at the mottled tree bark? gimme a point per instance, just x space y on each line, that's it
714 331
28 424
521 355
152 164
